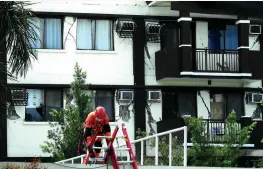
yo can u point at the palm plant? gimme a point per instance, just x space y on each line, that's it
16 34
16 53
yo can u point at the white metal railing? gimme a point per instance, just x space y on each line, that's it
156 148
156 153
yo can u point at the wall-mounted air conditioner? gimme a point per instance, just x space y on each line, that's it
125 95
255 97
154 95
18 95
255 29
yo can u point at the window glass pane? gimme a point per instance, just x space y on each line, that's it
103 35
53 34
34 108
84 34
105 99
38 25
53 101
170 38
231 37
215 38
186 103
235 101
217 106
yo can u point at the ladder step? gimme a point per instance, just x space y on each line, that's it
100 148
125 162
109 137
122 149
104 137
96 159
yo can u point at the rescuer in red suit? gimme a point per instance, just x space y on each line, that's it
96 119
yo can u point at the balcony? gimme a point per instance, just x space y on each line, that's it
215 130
204 63
209 60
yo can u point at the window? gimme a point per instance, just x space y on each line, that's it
94 34
41 102
186 103
49 31
177 104
170 37
221 104
223 38
106 99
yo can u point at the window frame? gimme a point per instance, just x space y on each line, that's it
112 21
112 102
225 102
62 19
45 98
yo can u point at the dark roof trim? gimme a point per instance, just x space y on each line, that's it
97 87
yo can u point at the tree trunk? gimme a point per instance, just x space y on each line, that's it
3 98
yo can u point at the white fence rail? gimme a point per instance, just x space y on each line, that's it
168 148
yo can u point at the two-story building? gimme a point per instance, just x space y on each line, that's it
149 62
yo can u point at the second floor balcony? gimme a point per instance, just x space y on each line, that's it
211 60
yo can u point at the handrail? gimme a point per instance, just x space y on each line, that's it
156 136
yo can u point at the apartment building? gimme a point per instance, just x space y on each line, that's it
150 63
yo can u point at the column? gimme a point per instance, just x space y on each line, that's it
243 46
185 41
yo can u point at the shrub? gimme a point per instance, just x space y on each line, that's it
203 154
65 134
35 164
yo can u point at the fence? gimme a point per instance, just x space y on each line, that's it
167 148
215 129
217 60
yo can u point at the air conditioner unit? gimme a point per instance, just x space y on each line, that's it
125 95
255 29
154 95
255 97
123 25
18 95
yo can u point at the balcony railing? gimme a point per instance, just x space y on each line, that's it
215 130
210 60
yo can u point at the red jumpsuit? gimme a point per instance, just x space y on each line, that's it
89 129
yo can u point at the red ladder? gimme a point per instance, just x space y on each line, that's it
110 153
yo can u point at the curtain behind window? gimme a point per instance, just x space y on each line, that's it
105 99
103 35
231 37
217 106
53 34
84 34
33 110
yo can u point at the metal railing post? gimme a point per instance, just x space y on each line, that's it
156 150
185 146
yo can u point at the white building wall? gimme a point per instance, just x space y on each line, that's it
103 67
